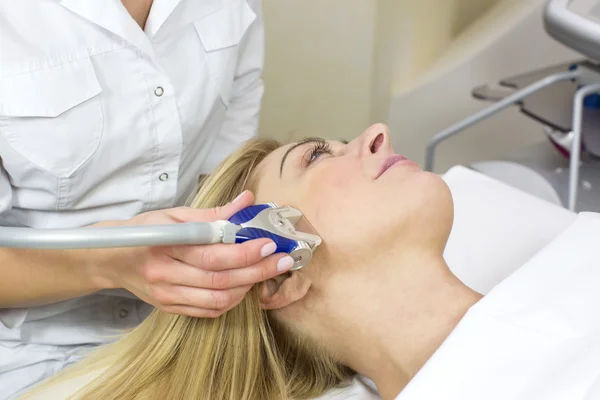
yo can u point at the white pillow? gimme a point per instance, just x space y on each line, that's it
497 228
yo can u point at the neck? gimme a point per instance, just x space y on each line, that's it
410 311
139 10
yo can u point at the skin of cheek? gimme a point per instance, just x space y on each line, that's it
334 182
336 200
349 209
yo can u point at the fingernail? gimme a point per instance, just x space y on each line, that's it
239 196
268 249
285 264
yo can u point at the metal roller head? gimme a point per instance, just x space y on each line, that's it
301 255
286 226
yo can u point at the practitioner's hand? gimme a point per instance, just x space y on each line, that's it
199 281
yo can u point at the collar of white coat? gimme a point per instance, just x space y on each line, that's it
112 16
536 335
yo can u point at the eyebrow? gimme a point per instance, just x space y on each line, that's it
298 144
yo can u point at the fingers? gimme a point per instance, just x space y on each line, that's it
208 280
194 301
187 275
194 312
189 214
219 257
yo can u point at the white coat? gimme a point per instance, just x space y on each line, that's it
100 120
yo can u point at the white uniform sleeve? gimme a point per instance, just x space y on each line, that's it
9 318
5 190
242 116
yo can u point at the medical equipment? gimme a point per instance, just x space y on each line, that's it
564 98
286 226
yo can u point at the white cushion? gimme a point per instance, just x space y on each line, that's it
497 228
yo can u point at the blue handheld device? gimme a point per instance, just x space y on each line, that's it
284 225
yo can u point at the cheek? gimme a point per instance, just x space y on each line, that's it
356 216
330 186
330 180
336 198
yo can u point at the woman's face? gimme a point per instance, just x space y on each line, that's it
362 199
377 224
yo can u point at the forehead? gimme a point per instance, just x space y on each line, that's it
268 173
274 158
267 177
270 185
271 163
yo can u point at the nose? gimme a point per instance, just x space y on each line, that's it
376 140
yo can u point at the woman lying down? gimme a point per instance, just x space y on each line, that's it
377 300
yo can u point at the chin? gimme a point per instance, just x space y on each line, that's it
429 208
440 210
427 185
436 191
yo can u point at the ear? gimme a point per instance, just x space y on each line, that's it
283 290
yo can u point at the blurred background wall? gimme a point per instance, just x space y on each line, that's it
335 66
318 67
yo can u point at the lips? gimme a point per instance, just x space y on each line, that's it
388 162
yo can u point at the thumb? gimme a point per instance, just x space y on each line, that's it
188 214
245 199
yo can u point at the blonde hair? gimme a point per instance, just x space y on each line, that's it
244 354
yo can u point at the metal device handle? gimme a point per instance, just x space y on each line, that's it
572 29
128 236
575 156
491 110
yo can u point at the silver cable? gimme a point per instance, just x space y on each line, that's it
127 236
